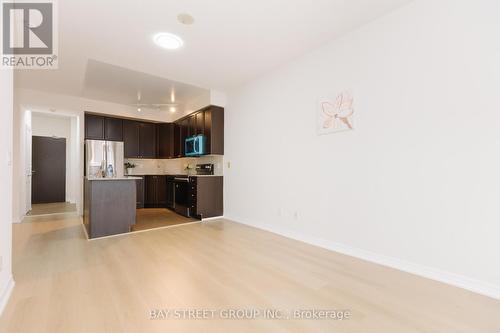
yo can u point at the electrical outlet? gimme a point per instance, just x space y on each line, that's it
229 165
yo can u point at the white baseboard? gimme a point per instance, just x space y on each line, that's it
208 219
18 219
457 280
5 293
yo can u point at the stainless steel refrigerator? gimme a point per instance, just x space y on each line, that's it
104 159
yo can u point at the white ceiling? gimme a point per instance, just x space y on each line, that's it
230 42
116 84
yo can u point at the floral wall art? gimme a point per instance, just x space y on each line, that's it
336 115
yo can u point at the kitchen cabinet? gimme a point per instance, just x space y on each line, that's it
196 123
191 120
147 140
178 144
139 139
214 130
113 129
103 128
166 141
140 192
131 138
200 123
155 192
170 195
94 127
184 130
207 197
209 122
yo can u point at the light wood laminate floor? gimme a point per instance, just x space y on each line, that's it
151 218
65 283
52 208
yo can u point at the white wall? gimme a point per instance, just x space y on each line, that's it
6 107
57 126
417 184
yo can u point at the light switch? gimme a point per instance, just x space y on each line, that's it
229 165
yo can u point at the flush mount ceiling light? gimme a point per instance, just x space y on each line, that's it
168 41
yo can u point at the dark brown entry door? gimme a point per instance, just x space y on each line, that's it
48 182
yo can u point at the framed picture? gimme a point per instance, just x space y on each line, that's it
336 115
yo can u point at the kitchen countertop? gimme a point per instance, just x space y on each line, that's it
115 178
173 175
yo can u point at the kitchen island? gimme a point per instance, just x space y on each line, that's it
109 206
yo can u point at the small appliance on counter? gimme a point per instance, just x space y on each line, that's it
195 145
205 169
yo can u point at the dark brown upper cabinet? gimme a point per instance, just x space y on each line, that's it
191 121
184 128
103 128
147 140
200 123
113 129
213 129
94 127
177 141
209 122
131 138
167 141
215 125
139 139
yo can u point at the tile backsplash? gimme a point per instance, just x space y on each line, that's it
175 166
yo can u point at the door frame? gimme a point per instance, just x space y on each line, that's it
24 157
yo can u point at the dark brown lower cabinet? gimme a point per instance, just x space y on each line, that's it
170 192
155 191
208 199
140 192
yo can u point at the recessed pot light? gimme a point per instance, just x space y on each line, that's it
168 41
